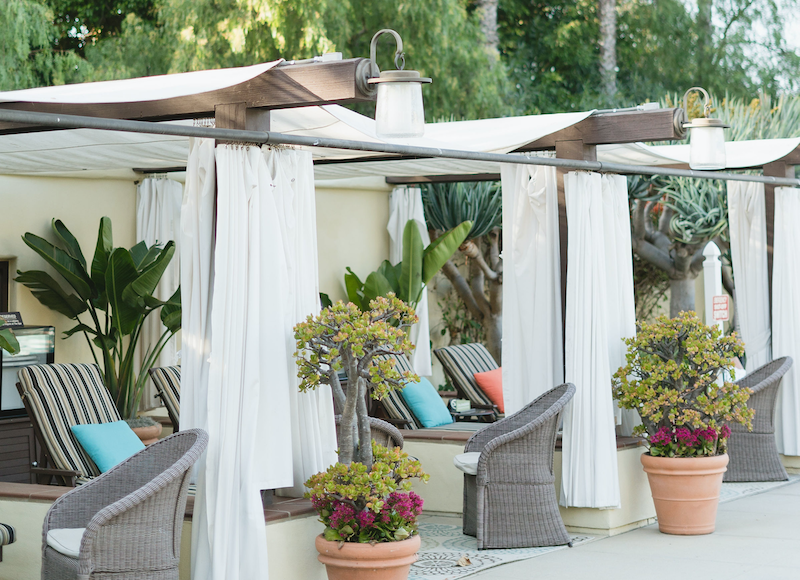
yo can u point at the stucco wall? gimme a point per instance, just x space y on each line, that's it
28 204
351 230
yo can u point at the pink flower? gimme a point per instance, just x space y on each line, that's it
724 432
686 437
365 518
707 434
661 437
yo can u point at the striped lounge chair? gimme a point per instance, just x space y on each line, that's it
461 362
7 536
56 397
168 384
393 405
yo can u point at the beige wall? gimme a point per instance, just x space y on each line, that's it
351 230
29 204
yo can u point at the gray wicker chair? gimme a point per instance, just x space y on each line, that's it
511 502
753 455
132 517
382 432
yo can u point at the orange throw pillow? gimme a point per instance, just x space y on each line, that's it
491 382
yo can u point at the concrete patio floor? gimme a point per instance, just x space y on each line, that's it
757 538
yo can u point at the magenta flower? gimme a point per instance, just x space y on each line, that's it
707 434
686 437
365 518
661 437
724 432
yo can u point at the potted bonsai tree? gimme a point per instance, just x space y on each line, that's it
364 500
673 379
109 300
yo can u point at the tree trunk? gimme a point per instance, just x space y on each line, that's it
681 296
493 326
607 10
487 12
364 431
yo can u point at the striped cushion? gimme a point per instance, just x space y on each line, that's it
461 362
168 383
393 402
63 395
7 535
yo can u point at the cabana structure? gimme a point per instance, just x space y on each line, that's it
249 230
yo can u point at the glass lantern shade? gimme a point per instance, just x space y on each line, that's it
399 111
707 144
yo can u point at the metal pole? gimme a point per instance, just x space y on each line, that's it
263 137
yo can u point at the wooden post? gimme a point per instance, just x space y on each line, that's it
575 149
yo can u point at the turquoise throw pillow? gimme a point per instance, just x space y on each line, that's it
107 443
426 404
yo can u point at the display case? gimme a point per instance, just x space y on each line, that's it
37 346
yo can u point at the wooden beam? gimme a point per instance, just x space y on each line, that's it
608 128
281 87
442 178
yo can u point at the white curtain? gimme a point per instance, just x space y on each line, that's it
532 333
405 203
197 276
786 316
748 227
312 417
158 217
599 312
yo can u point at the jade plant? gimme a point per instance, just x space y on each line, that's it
674 379
361 504
343 338
109 301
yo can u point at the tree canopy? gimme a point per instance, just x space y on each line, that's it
534 57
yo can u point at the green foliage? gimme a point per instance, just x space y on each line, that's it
8 341
360 504
27 56
408 278
449 204
342 333
700 206
117 292
671 379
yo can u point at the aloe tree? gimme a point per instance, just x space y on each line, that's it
116 293
481 290
408 278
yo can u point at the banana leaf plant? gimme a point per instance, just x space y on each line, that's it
409 277
114 295
8 341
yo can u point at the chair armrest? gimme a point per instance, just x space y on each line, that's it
67 475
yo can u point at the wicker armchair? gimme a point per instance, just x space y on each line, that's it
125 524
753 455
510 496
382 432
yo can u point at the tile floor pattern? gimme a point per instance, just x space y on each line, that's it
757 538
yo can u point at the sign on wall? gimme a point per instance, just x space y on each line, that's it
721 305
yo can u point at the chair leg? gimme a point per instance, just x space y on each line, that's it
470 516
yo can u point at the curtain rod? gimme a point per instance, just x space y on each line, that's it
271 138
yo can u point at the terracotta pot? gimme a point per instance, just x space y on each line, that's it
382 561
150 434
686 492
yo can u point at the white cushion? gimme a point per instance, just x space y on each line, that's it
66 541
467 462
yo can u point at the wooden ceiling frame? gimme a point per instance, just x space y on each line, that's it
283 86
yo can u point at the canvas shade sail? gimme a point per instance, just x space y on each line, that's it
600 312
405 203
786 316
158 220
532 331
748 232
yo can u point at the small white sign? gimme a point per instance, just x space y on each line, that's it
721 305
